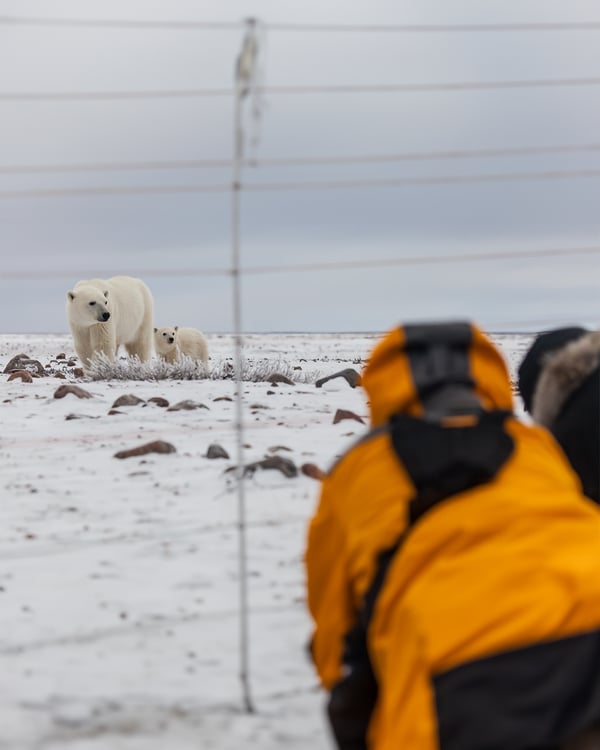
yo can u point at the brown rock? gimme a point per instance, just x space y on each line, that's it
223 398
276 448
159 401
14 362
128 400
60 375
64 390
62 355
277 377
284 465
115 411
216 451
23 362
313 471
350 376
78 372
23 375
342 414
156 446
187 405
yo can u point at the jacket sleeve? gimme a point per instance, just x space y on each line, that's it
329 593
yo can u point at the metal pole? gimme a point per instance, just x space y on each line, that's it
237 325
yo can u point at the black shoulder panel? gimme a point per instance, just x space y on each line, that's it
536 698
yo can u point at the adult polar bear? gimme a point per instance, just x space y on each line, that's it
105 313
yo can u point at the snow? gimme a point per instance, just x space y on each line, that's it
119 616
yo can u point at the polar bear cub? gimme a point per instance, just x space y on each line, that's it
104 314
171 343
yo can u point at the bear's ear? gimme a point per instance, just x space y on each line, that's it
156 330
71 295
106 294
176 328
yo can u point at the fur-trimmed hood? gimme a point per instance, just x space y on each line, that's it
563 372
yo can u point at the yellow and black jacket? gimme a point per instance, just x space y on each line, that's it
453 565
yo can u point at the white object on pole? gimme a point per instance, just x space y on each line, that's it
245 69
249 77
244 75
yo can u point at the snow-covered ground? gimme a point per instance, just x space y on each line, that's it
119 616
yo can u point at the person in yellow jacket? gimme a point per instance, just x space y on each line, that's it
453 564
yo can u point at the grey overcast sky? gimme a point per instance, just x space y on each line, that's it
170 239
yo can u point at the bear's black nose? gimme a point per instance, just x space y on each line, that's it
105 316
171 339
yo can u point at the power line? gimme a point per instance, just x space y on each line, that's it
256 187
120 166
59 96
87 192
437 28
101 273
391 88
545 176
194 25
29 275
425 260
175 164
108 23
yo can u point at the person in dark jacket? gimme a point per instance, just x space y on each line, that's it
559 382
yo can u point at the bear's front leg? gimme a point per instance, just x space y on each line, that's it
103 340
83 349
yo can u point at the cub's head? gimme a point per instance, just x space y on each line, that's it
87 305
165 339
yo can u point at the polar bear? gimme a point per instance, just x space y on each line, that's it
105 313
173 342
